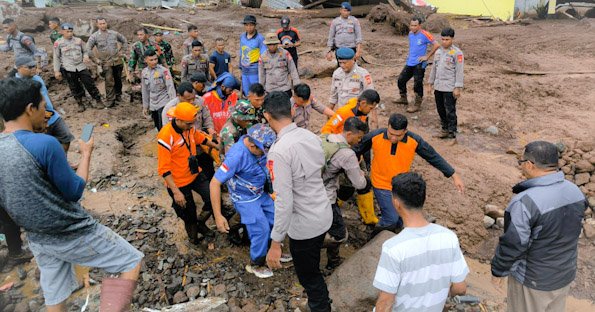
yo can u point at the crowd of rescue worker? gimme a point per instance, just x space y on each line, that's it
249 140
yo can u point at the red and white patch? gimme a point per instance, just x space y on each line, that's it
224 168
460 58
368 79
270 167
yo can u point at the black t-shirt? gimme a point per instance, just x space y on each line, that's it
290 36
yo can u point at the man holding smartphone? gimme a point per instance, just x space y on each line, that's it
41 193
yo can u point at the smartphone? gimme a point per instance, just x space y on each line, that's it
87 132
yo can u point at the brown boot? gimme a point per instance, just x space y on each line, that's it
99 104
416 105
442 135
81 105
402 100
116 294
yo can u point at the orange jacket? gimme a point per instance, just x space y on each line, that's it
335 124
391 159
219 110
173 153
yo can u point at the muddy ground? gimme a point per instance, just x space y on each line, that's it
557 107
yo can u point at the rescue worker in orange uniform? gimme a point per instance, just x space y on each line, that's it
178 165
221 99
356 107
393 150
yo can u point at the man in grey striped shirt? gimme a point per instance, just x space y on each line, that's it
423 265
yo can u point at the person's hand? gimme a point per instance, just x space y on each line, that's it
456 93
58 75
222 224
498 283
179 198
423 58
136 74
357 55
146 112
274 256
329 56
458 182
86 59
85 148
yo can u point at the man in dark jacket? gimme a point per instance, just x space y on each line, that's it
542 224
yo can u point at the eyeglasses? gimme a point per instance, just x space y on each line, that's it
32 66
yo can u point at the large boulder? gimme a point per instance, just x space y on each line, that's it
350 286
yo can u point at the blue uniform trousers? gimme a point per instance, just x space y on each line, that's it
258 216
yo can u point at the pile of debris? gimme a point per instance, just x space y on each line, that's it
399 16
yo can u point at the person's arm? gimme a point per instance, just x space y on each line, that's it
321 108
514 242
283 186
295 76
373 117
201 139
84 50
432 76
385 302
262 76
459 272
457 289
358 39
350 165
164 168
330 43
57 63
184 71
212 71
169 82
5 47
52 158
90 45
207 120
459 75
166 108
429 154
27 41
123 42
334 97
435 46
229 66
133 60
215 191
145 92
366 143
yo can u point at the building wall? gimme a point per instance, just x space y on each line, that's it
502 9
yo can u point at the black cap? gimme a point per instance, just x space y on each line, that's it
285 21
198 77
249 19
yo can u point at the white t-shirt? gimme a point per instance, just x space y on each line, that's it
418 265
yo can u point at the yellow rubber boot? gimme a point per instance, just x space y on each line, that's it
365 203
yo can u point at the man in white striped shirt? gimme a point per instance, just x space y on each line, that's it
423 265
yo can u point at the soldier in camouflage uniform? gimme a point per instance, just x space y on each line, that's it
256 98
241 119
54 25
137 59
196 62
168 53
109 44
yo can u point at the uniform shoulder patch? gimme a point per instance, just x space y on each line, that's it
460 58
368 79
270 164
166 74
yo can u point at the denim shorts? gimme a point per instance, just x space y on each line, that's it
102 248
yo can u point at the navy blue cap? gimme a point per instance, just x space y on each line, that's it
67 26
345 54
345 5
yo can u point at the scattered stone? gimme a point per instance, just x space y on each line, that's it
279 305
22 306
488 221
561 147
229 276
589 228
250 307
582 178
591 201
218 290
22 273
586 146
500 222
34 306
193 292
180 297
588 213
212 304
567 169
584 166
493 130
493 211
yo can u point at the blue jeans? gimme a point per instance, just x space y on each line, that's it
389 213
258 216
249 77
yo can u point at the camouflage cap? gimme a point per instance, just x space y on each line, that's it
243 110
262 135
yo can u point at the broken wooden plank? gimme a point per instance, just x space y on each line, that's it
161 27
